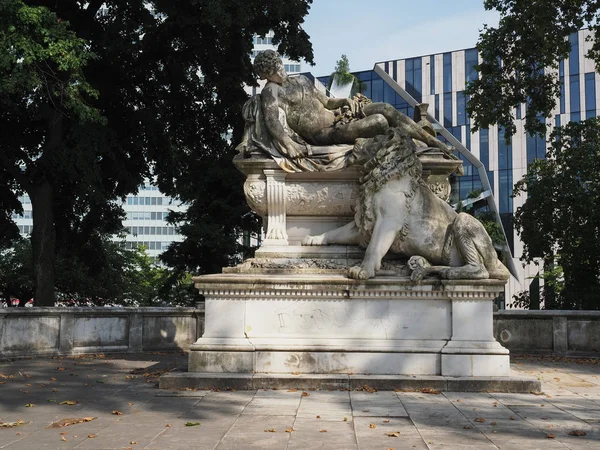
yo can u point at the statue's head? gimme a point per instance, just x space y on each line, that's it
267 63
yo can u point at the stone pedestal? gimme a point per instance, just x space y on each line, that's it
328 324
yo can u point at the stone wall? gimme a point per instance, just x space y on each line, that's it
70 331
549 332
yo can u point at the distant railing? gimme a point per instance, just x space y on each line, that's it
549 332
71 331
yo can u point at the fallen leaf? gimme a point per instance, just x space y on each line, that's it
52 379
295 373
29 405
192 424
293 390
318 417
550 436
577 433
289 430
493 423
70 421
63 432
117 413
18 423
431 391
130 404
168 425
345 419
62 438
28 385
467 427
305 394
92 436
386 421
19 433
270 430
323 431
133 442
479 420
537 393
393 434
512 418
68 402
60 368
372 425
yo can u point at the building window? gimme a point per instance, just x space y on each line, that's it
590 95
432 74
414 76
561 78
574 96
448 109
536 148
470 63
504 151
437 107
461 103
574 54
484 147
447 73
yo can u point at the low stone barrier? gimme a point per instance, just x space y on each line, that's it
549 332
71 331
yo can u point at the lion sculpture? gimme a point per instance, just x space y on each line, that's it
397 211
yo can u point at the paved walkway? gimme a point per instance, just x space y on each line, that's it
119 393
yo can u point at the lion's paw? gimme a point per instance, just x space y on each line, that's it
418 262
314 240
359 273
418 274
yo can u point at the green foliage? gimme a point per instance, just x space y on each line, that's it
560 220
342 75
16 271
531 36
551 297
97 95
124 277
493 228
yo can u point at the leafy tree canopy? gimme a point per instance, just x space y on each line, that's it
520 59
97 95
561 220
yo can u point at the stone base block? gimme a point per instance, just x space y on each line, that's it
221 362
375 363
474 365
244 381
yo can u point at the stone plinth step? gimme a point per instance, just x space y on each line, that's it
249 381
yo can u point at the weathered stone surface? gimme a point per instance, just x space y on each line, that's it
366 383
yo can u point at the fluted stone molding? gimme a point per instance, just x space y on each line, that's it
276 208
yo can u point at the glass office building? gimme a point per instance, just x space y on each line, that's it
440 79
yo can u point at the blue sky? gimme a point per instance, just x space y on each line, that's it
370 31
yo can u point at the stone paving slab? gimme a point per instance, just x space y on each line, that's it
120 394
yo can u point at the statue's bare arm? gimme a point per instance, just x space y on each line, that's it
270 105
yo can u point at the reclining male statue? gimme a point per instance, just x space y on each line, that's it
295 123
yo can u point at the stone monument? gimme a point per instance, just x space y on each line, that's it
366 275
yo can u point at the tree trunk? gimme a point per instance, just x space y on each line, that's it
43 243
